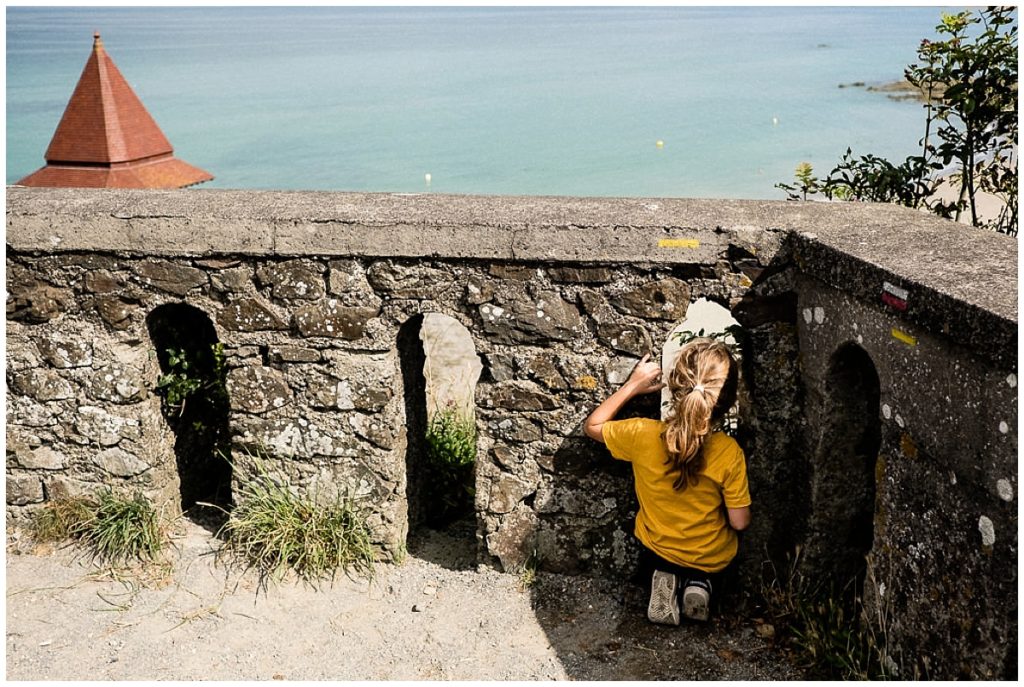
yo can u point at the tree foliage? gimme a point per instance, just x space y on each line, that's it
968 78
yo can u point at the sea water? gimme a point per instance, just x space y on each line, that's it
491 100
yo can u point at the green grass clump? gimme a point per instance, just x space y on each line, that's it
274 531
451 453
125 527
451 438
836 637
528 574
832 640
116 527
63 519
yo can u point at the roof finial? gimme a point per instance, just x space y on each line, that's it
96 42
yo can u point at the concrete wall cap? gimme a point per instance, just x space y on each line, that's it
869 242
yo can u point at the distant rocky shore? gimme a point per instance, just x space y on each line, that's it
897 90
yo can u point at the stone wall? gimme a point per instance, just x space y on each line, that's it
308 294
311 347
941 482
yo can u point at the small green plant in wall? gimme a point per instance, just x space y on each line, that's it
187 375
451 454
192 386
730 336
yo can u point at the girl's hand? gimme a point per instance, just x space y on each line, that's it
644 379
646 376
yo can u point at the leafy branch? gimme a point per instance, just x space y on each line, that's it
189 373
969 78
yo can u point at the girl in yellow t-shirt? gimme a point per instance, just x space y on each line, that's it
691 481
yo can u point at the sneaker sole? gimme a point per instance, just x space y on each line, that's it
695 604
663 607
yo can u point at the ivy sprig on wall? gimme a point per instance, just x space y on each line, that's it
730 336
186 377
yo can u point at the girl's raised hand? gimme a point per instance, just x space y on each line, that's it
646 376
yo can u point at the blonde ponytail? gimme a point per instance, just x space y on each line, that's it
703 388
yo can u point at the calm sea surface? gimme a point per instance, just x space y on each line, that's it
552 101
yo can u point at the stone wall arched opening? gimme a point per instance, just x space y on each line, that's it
843 469
440 369
192 386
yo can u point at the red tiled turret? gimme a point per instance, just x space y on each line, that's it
106 138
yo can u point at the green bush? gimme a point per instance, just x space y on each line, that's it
451 438
451 454
968 76
273 530
190 372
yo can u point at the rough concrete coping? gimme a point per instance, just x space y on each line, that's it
855 246
957 282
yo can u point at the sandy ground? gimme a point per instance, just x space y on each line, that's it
987 205
436 616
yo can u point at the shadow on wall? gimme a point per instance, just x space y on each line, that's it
843 478
440 370
195 404
598 625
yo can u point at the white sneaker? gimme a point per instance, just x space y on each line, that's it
696 601
664 605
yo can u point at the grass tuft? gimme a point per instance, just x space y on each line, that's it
124 528
63 519
116 527
528 575
835 634
273 531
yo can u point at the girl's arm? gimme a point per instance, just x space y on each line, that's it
739 518
645 379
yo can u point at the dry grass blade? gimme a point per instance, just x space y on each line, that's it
32 590
197 614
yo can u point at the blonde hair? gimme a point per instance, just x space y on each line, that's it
703 388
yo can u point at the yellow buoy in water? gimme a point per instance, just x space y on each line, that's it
775 121
660 144
426 178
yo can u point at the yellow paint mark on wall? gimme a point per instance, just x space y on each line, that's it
904 337
678 243
586 382
908 446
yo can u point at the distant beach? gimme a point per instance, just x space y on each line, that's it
532 101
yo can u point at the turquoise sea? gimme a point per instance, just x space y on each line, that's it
545 101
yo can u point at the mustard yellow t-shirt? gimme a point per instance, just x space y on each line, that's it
688 527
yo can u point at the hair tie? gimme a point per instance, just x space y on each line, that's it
699 387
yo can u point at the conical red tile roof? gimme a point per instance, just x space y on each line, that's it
106 138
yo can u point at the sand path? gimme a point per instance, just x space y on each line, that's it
437 616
